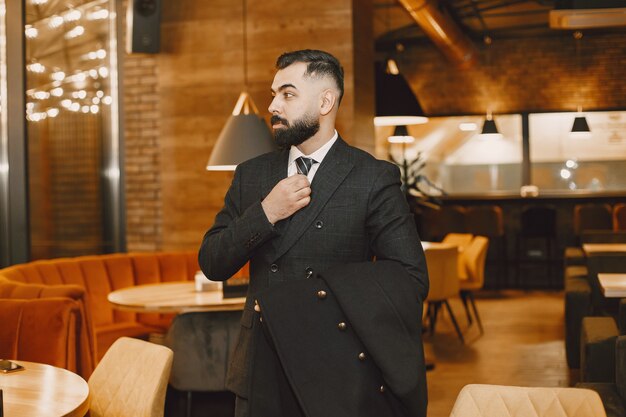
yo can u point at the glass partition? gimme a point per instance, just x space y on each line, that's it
70 101
459 159
561 161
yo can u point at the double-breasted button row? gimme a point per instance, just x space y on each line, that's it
253 240
342 326
362 356
274 268
321 294
319 224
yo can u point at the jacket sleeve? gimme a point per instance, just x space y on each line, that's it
235 235
391 227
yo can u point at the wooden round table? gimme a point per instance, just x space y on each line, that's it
43 391
172 297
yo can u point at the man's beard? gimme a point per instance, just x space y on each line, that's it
289 135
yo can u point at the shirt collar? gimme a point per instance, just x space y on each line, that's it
318 155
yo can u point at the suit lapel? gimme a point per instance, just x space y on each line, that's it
331 173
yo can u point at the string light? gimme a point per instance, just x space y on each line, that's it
36 67
58 75
31 32
74 33
77 98
72 16
57 92
55 21
41 95
98 14
52 112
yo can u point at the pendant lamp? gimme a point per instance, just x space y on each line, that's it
245 134
580 128
489 130
396 105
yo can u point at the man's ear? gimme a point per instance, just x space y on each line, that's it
328 101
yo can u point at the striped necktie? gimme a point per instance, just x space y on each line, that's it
303 165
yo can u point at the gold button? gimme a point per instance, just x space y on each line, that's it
321 294
342 326
362 356
382 388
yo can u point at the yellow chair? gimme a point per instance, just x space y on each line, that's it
461 241
497 400
444 282
473 258
130 380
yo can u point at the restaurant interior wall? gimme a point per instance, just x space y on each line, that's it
193 85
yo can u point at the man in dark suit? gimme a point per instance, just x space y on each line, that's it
313 205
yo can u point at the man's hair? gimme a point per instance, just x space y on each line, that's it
319 64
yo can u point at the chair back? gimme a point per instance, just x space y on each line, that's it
592 216
454 219
619 217
474 258
538 221
461 241
603 236
441 261
41 330
485 221
130 380
477 400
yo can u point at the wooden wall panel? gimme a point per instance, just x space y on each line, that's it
201 76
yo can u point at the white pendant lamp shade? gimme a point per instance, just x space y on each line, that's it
245 136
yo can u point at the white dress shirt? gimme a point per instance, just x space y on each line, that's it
318 156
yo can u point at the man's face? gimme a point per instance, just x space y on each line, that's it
295 106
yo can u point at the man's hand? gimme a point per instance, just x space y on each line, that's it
288 196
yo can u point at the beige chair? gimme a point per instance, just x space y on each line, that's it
461 241
473 259
444 283
130 380
498 401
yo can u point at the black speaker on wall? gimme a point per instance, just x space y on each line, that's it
143 26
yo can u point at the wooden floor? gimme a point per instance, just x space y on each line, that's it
522 345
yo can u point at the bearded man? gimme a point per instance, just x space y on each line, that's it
295 213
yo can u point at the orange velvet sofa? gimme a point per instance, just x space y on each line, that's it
87 280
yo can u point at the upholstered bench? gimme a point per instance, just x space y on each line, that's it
90 279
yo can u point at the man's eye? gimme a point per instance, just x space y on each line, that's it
288 95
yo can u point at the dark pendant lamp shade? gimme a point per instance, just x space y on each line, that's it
395 102
490 130
245 136
580 128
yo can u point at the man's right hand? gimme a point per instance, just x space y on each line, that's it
288 196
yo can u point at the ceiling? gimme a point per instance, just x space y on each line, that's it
476 18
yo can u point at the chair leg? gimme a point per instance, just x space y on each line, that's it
456 325
433 310
470 294
188 405
467 312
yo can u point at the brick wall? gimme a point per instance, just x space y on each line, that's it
534 74
141 139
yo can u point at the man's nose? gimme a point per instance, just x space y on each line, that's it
273 108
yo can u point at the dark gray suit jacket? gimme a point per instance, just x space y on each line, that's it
357 212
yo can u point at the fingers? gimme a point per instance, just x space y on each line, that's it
257 308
